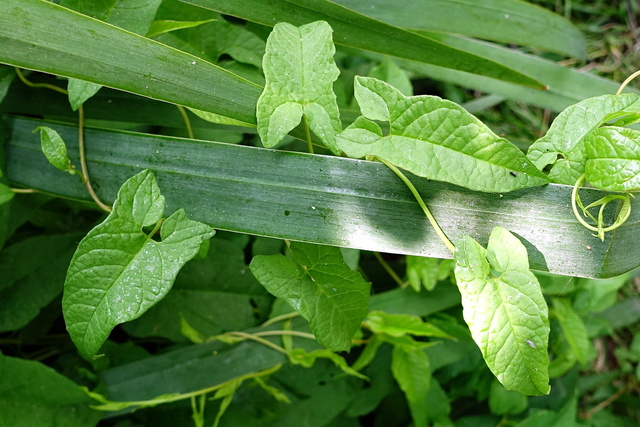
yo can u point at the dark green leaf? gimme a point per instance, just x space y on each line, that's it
356 30
506 402
573 329
410 367
6 193
320 286
32 394
118 272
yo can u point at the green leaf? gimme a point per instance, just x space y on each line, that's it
320 286
54 149
422 272
505 402
388 71
563 148
397 325
356 30
165 26
299 356
118 271
299 70
505 310
507 21
436 139
80 91
32 394
573 329
613 159
7 74
411 369
6 194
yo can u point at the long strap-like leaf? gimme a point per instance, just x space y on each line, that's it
326 200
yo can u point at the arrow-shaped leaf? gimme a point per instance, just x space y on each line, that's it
436 139
505 310
118 271
563 148
299 71
320 286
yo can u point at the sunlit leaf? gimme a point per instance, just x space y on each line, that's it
299 70
436 139
505 310
118 271
397 325
320 286
613 159
299 356
562 148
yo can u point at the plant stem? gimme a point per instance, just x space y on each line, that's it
39 85
24 190
284 332
83 162
253 337
187 122
626 82
279 319
388 269
424 207
308 134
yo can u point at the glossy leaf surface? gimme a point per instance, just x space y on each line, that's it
118 271
54 148
299 71
436 139
320 286
563 148
505 310
613 159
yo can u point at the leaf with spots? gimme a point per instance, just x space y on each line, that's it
320 286
503 305
299 70
436 139
119 271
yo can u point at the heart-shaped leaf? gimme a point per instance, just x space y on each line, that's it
503 305
613 155
118 271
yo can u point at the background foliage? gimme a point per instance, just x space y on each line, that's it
211 352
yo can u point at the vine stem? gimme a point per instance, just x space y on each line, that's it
424 207
388 269
626 82
187 122
83 163
574 200
307 134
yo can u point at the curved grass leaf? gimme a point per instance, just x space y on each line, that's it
613 155
435 139
562 147
573 329
411 369
299 71
356 30
320 286
165 26
118 271
505 21
505 310
101 53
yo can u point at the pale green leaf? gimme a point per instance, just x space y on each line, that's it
562 147
299 70
299 356
573 328
165 26
6 193
32 394
436 139
118 271
388 71
422 272
219 119
613 159
397 325
505 402
412 371
320 286
80 91
505 310
54 148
